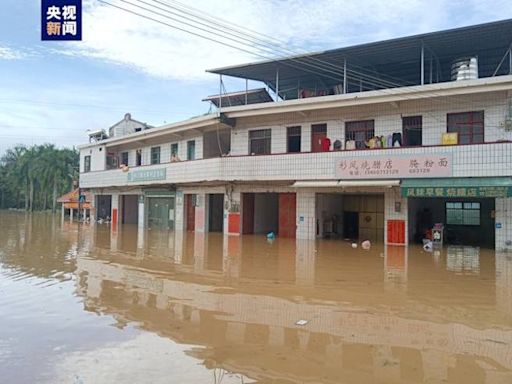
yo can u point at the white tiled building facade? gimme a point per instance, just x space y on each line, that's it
236 171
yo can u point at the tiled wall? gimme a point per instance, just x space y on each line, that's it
391 197
468 161
503 211
306 215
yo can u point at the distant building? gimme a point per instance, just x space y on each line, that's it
377 141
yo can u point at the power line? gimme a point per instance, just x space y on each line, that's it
253 36
228 44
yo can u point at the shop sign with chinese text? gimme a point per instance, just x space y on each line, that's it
147 175
389 167
497 191
61 20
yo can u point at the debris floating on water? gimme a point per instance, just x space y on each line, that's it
301 322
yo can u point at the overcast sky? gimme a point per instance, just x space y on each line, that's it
54 91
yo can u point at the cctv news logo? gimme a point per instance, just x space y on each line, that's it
61 20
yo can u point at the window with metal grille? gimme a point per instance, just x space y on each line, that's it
124 158
293 139
412 130
469 126
155 155
359 131
259 141
87 164
462 213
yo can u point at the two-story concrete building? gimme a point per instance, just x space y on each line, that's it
377 141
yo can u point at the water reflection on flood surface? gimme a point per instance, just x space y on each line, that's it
88 305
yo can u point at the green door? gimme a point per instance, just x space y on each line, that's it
161 212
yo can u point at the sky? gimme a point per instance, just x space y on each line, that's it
53 92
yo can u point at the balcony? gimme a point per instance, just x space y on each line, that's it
478 160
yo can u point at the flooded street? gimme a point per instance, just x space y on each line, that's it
84 304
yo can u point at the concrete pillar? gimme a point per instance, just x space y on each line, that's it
178 246
141 223
232 215
179 223
63 212
115 212
201 213
395 208
200 250
84 214
306 225
92 211
232 256
305 262
70 214
503 227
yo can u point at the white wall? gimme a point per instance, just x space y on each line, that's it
98 158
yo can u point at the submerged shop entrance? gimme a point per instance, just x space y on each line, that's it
350 216
269 212
467 221
190 211
160 209
215 212
103 207
129 209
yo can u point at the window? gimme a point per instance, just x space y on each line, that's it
138 157
468 125
155 155
124 158
411 128
174 149
138 129
112 161
191 150
87 163
293 139
259 142
462 213
360 132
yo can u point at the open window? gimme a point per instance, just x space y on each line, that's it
293 139
412 130
259 141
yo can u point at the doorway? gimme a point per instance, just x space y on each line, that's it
318 133
215 212
190 211
130 209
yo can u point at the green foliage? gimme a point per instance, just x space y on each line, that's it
34 177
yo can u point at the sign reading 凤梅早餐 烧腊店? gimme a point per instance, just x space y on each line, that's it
386 167
490 191
147 175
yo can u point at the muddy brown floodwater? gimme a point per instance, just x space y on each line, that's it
83 304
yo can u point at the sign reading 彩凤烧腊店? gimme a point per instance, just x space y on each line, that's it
388 167
61 20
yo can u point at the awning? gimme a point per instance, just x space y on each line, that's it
458 187
345 183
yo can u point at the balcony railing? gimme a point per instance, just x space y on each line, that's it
479 160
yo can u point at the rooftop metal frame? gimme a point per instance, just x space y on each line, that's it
413 60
